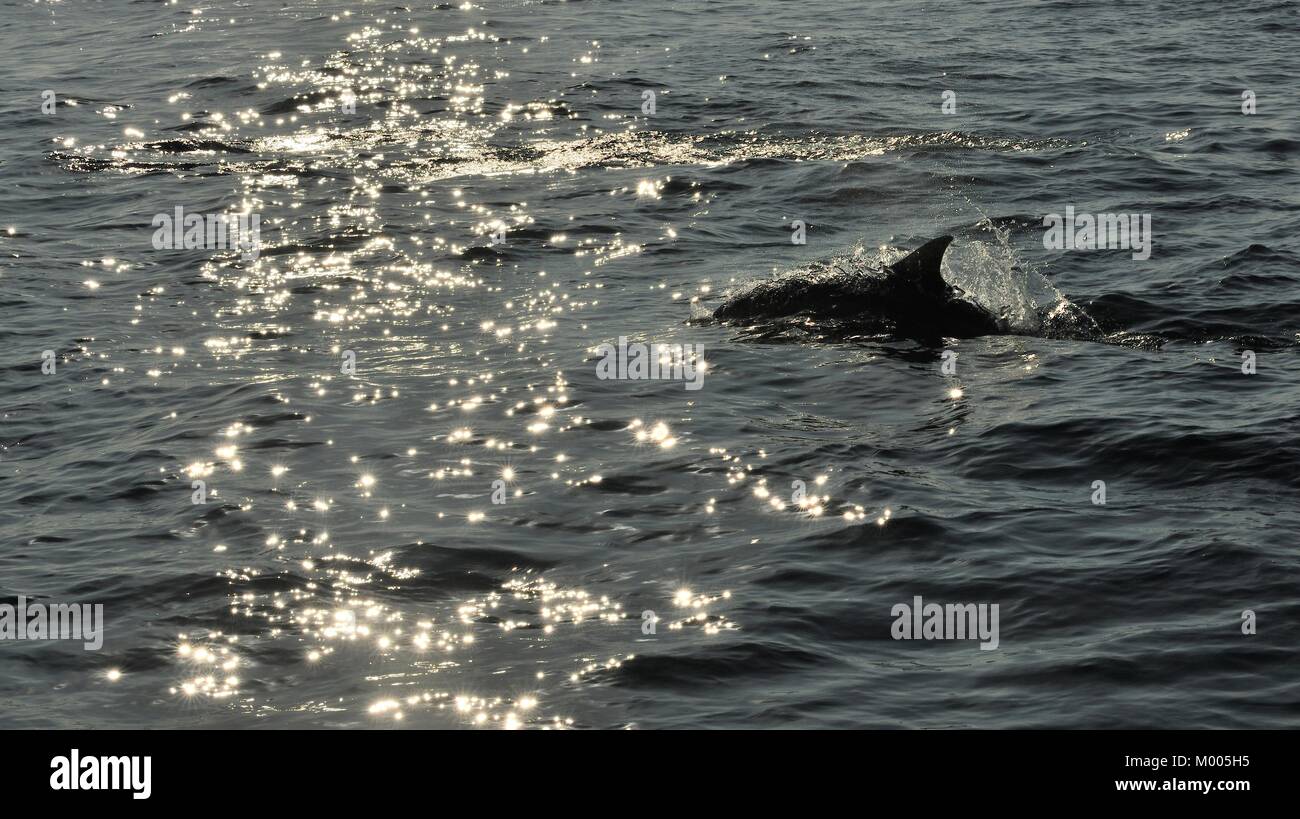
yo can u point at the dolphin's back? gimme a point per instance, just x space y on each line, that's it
908 297
828 293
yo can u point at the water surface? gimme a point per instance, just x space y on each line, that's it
349 567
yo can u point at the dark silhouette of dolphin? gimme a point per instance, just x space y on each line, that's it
908 298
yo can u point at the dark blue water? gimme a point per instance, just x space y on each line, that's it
349 566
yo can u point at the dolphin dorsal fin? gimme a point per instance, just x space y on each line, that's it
920 268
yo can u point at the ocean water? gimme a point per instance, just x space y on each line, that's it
349 398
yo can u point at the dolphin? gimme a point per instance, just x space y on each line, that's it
907 299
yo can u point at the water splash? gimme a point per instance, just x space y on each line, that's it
992 274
